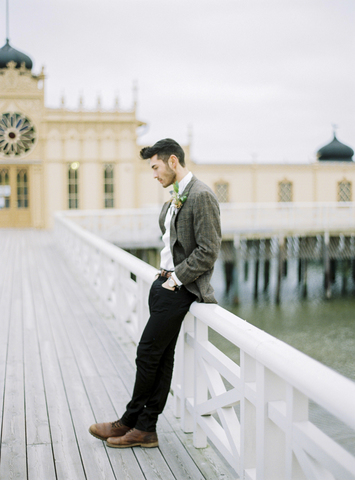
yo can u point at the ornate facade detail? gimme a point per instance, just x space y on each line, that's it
17 135
22 79
33 106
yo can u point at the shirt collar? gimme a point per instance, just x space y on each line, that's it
184 182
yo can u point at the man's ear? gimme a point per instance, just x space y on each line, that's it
173 162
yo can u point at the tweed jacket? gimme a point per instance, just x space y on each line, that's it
195 239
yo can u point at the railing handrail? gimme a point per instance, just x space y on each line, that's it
288 362
136 266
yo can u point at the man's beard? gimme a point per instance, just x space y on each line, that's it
171 176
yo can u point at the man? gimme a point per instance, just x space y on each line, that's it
190 224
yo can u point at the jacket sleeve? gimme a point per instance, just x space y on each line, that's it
207 235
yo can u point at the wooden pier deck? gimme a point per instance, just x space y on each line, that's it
65 364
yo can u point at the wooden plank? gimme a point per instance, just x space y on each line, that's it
151 464
40 462
5 308
124 464
37 422
178 459
13 442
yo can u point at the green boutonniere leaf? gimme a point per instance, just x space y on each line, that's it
176 200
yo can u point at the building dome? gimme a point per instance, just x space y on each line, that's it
8 54
335 151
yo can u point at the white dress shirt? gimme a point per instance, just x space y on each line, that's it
166 257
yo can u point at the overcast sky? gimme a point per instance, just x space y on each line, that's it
260 80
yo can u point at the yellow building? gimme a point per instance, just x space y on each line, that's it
55 159
58 159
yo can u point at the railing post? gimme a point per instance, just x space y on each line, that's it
187 387
247 414
270 440
200 385
297 411
178 375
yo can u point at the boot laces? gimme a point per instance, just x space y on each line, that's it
116 424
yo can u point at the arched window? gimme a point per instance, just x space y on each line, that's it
22 188
285 193
344 191
222 192
73 185
109 199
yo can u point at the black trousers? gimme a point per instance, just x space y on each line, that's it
155 355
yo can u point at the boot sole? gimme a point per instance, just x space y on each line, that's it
97 436
145 445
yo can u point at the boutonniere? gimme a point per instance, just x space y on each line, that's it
176 200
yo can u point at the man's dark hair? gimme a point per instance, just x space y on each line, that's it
164 149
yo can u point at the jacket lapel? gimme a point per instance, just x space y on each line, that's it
162 216
174 219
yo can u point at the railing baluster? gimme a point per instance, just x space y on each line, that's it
200 385
187 387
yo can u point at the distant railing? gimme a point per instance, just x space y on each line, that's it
256 413
125 226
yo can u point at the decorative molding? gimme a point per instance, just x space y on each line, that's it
13 79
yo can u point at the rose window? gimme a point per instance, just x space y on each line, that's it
17 135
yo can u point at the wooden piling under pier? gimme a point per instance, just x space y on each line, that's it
332 250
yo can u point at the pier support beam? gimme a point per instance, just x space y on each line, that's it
304 278
229 275
238 264
246 270
285 268
256 278
327 277
266 274
333 270
345 274
281 241
299 270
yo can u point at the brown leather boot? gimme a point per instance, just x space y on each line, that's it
108 429
134 438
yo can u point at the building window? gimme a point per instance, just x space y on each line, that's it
108 186
344 191
22 188
73 185
5 190
222 192
285 191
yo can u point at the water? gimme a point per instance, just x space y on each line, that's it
323 329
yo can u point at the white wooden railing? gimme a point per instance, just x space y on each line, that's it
256 413
125 226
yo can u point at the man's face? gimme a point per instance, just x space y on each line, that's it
162 172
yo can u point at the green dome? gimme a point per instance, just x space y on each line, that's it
335 151
8 54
